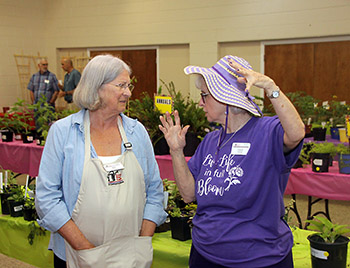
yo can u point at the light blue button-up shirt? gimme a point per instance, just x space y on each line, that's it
61 170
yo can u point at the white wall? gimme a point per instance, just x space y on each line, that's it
206 27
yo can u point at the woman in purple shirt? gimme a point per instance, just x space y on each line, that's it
238 174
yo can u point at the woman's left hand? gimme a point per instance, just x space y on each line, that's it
252 78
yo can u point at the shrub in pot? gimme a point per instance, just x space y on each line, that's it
328 245
6 191
16 201
320 155
181 214
6 128
344 158
29 212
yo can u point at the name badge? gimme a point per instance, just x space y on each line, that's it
240 148
46 81
114 166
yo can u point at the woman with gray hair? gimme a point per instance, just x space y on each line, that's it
238 174
99 190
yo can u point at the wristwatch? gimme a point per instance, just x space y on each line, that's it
274 94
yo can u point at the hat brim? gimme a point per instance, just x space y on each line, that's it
221 90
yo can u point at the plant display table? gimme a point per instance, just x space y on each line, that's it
167 252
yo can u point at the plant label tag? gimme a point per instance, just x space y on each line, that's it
18 208
318 162
320 254
46 81
240 148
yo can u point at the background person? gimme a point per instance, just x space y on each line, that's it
238 174
71 80
43 83
99 190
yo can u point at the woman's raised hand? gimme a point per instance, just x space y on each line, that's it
251 78
173 133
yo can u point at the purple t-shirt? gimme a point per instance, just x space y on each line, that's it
240 198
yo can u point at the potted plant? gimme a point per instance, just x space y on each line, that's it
338 110
145 111
16 201
305 105
344 158
44 115
22 116
6 127
321 153
29 212
191 114
305 155
6 192
181 214
328 245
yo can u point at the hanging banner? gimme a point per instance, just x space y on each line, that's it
163 103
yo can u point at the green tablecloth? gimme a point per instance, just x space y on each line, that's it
168 252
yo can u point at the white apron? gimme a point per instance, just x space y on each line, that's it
109 211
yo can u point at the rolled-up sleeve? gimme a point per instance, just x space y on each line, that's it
49 201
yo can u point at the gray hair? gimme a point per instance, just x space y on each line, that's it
199 82
99 71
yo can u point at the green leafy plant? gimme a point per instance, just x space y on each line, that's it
189 111
21 116
44 115
17 193
11 180
324 147
338 110
29 203
342 149
176 206
287 210
145 111
327 230
305 105
35 230
6 122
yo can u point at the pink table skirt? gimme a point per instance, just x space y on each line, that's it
21 157
329 185
25 158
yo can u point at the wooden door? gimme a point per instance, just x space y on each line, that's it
319 69
143 65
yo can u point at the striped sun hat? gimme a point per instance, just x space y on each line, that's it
221 80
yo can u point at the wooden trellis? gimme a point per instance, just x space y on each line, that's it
26 66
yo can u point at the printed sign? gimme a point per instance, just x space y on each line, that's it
163 103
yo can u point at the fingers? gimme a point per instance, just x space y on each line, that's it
177 118
184 131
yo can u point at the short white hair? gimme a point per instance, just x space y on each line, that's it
100 70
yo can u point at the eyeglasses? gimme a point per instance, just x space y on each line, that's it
204 95
124 86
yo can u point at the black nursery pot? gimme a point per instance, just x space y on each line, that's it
180 228
27 138
29 214
16 208
326 255
4 204
7 136
320 162
319 134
